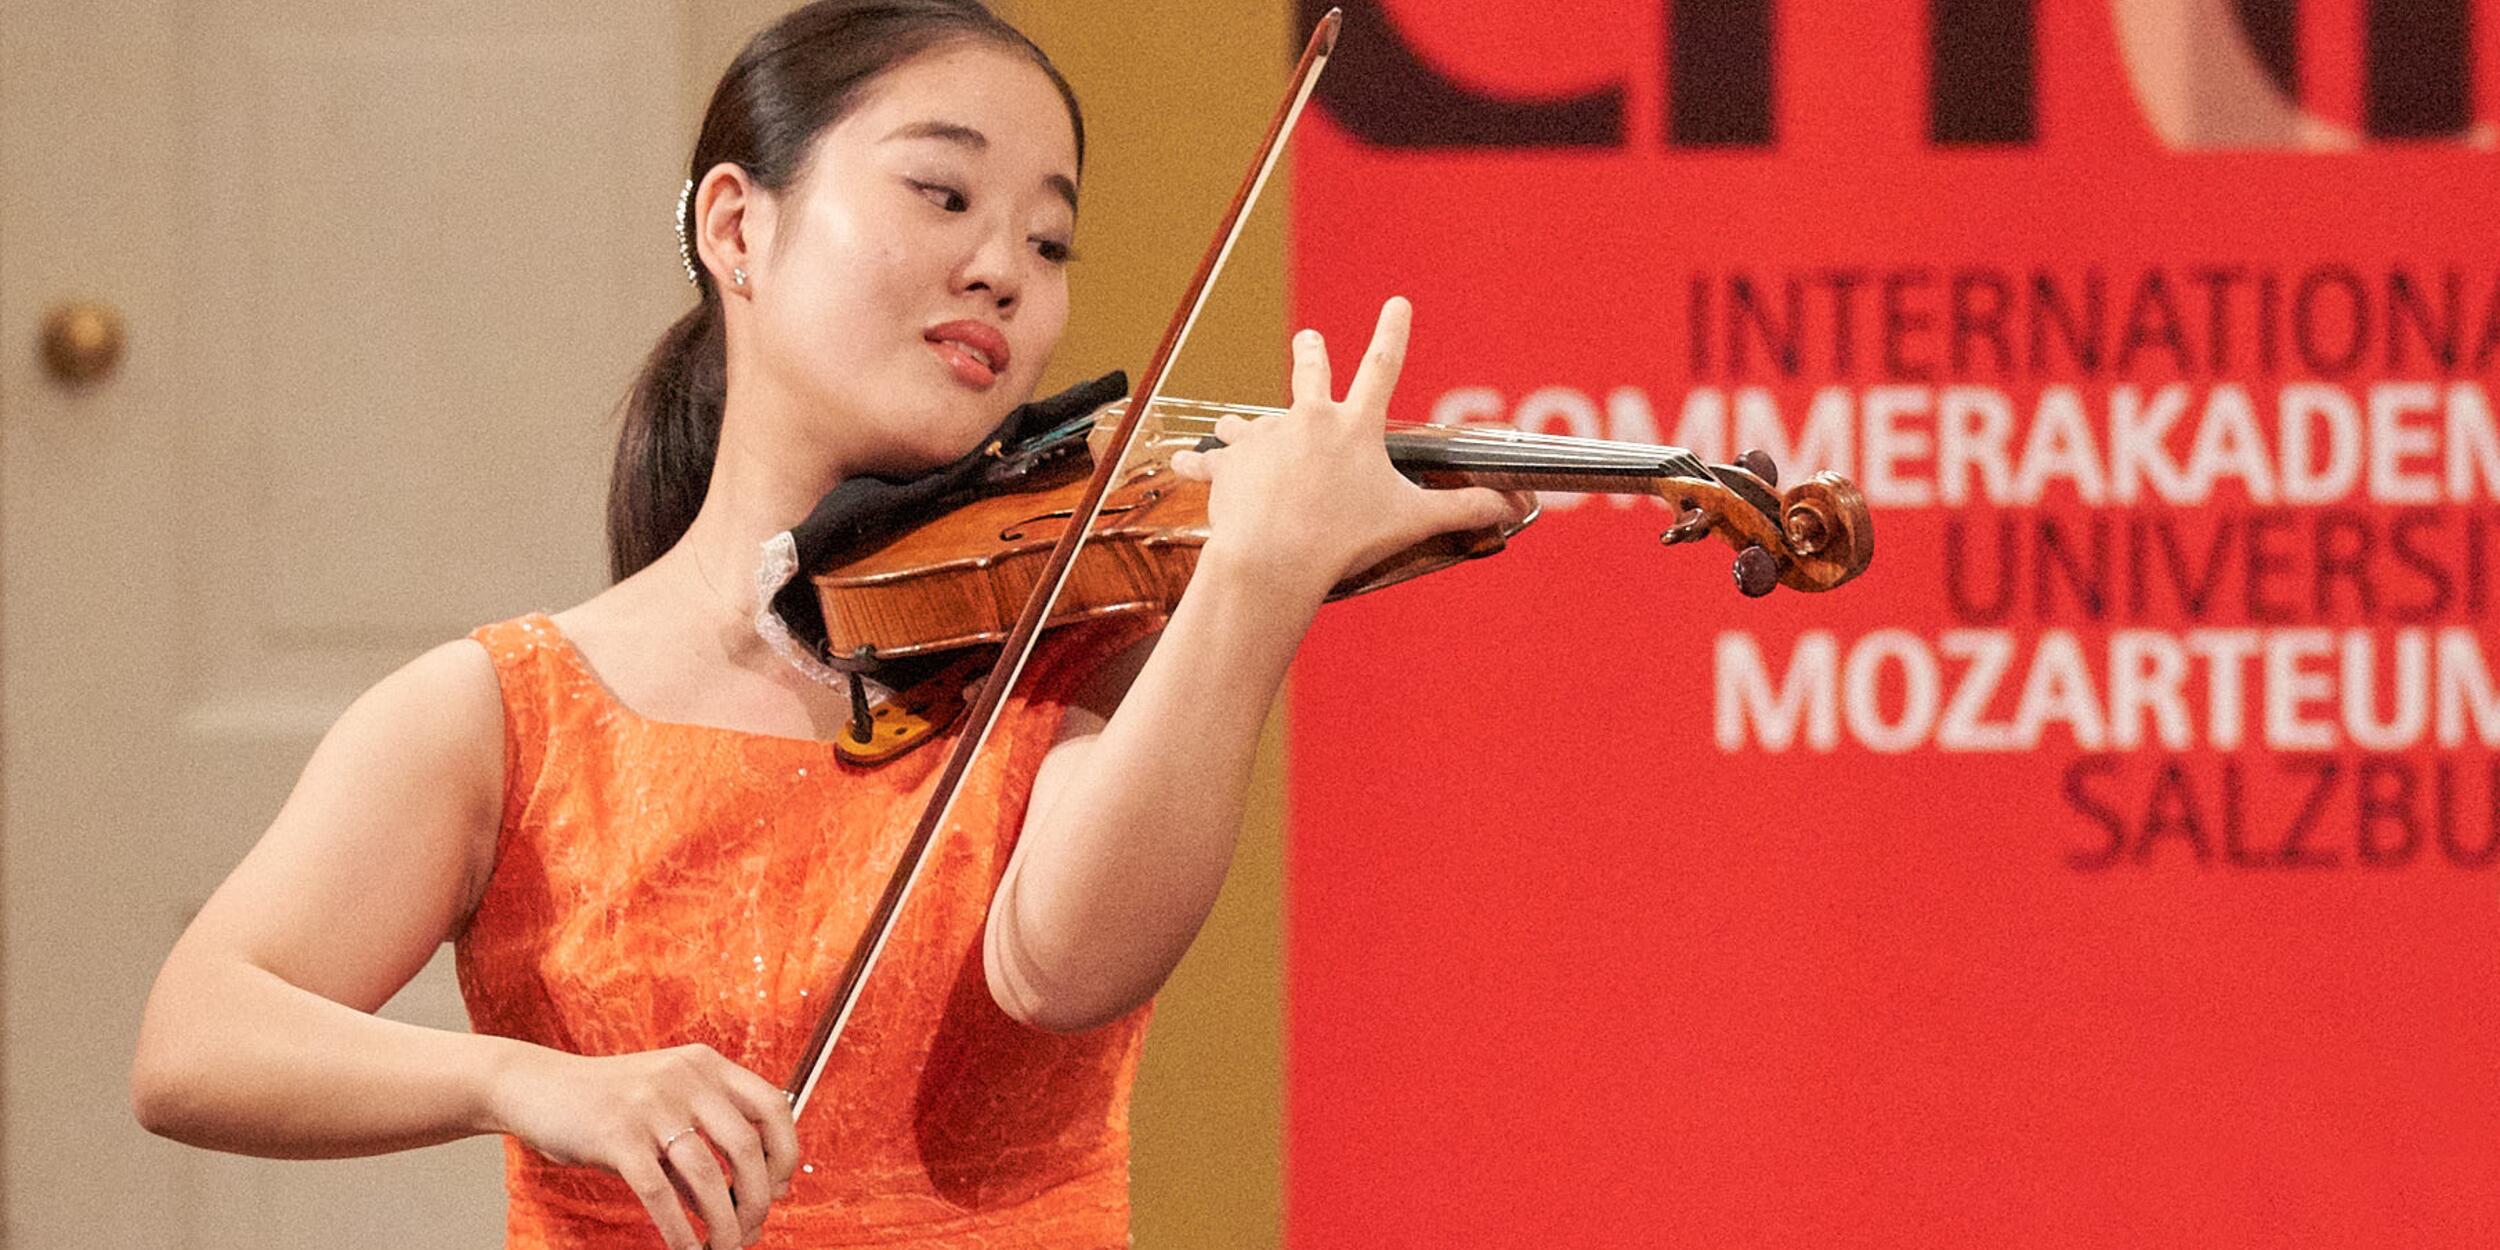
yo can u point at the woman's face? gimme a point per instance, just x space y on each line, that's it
917 282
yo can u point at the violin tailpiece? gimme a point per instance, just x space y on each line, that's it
916 716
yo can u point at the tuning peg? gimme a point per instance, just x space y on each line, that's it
1807 528
1757 572
1690 524
1758 463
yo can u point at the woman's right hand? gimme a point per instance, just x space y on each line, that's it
628 1114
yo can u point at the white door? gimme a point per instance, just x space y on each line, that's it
384 269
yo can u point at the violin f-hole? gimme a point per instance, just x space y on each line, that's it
1015 533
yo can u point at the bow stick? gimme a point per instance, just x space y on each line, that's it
1028 627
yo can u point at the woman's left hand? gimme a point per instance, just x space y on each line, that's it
1310 497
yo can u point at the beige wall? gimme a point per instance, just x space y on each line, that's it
1175 94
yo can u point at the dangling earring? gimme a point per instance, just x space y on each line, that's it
737 277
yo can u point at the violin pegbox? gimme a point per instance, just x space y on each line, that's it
1813 537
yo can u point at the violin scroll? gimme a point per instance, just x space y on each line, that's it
1813 537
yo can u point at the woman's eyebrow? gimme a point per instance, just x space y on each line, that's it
966 137
950 132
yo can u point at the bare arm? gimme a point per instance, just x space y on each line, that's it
1133 820
259 1037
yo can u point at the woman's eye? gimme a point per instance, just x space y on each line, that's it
943 196
1053 250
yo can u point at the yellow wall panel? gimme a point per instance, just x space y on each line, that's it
1176 96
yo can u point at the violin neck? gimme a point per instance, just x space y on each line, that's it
1505 459
1495 456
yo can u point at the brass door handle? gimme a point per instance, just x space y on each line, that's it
82 342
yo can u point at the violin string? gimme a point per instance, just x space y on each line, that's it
1198 407
1483 449
1478 448
1461 455
1460 436
1464 454
1189 412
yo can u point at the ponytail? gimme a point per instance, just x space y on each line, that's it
670 434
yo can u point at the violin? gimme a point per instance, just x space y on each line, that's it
952 579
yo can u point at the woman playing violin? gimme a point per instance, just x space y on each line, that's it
625 815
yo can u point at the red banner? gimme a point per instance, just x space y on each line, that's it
2114 863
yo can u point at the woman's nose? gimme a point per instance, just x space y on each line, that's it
992 270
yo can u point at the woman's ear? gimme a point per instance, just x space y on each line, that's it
733 223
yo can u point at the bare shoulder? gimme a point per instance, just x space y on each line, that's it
436 725
383 847
449 695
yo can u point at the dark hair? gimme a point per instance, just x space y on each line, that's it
795 78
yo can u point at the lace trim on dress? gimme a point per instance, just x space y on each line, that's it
780 564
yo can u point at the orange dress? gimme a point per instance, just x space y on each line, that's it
658 884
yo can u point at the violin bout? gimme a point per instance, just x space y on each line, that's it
959 582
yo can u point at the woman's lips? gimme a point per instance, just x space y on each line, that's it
967 368
973 350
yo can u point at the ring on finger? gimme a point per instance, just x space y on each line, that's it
671 1139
